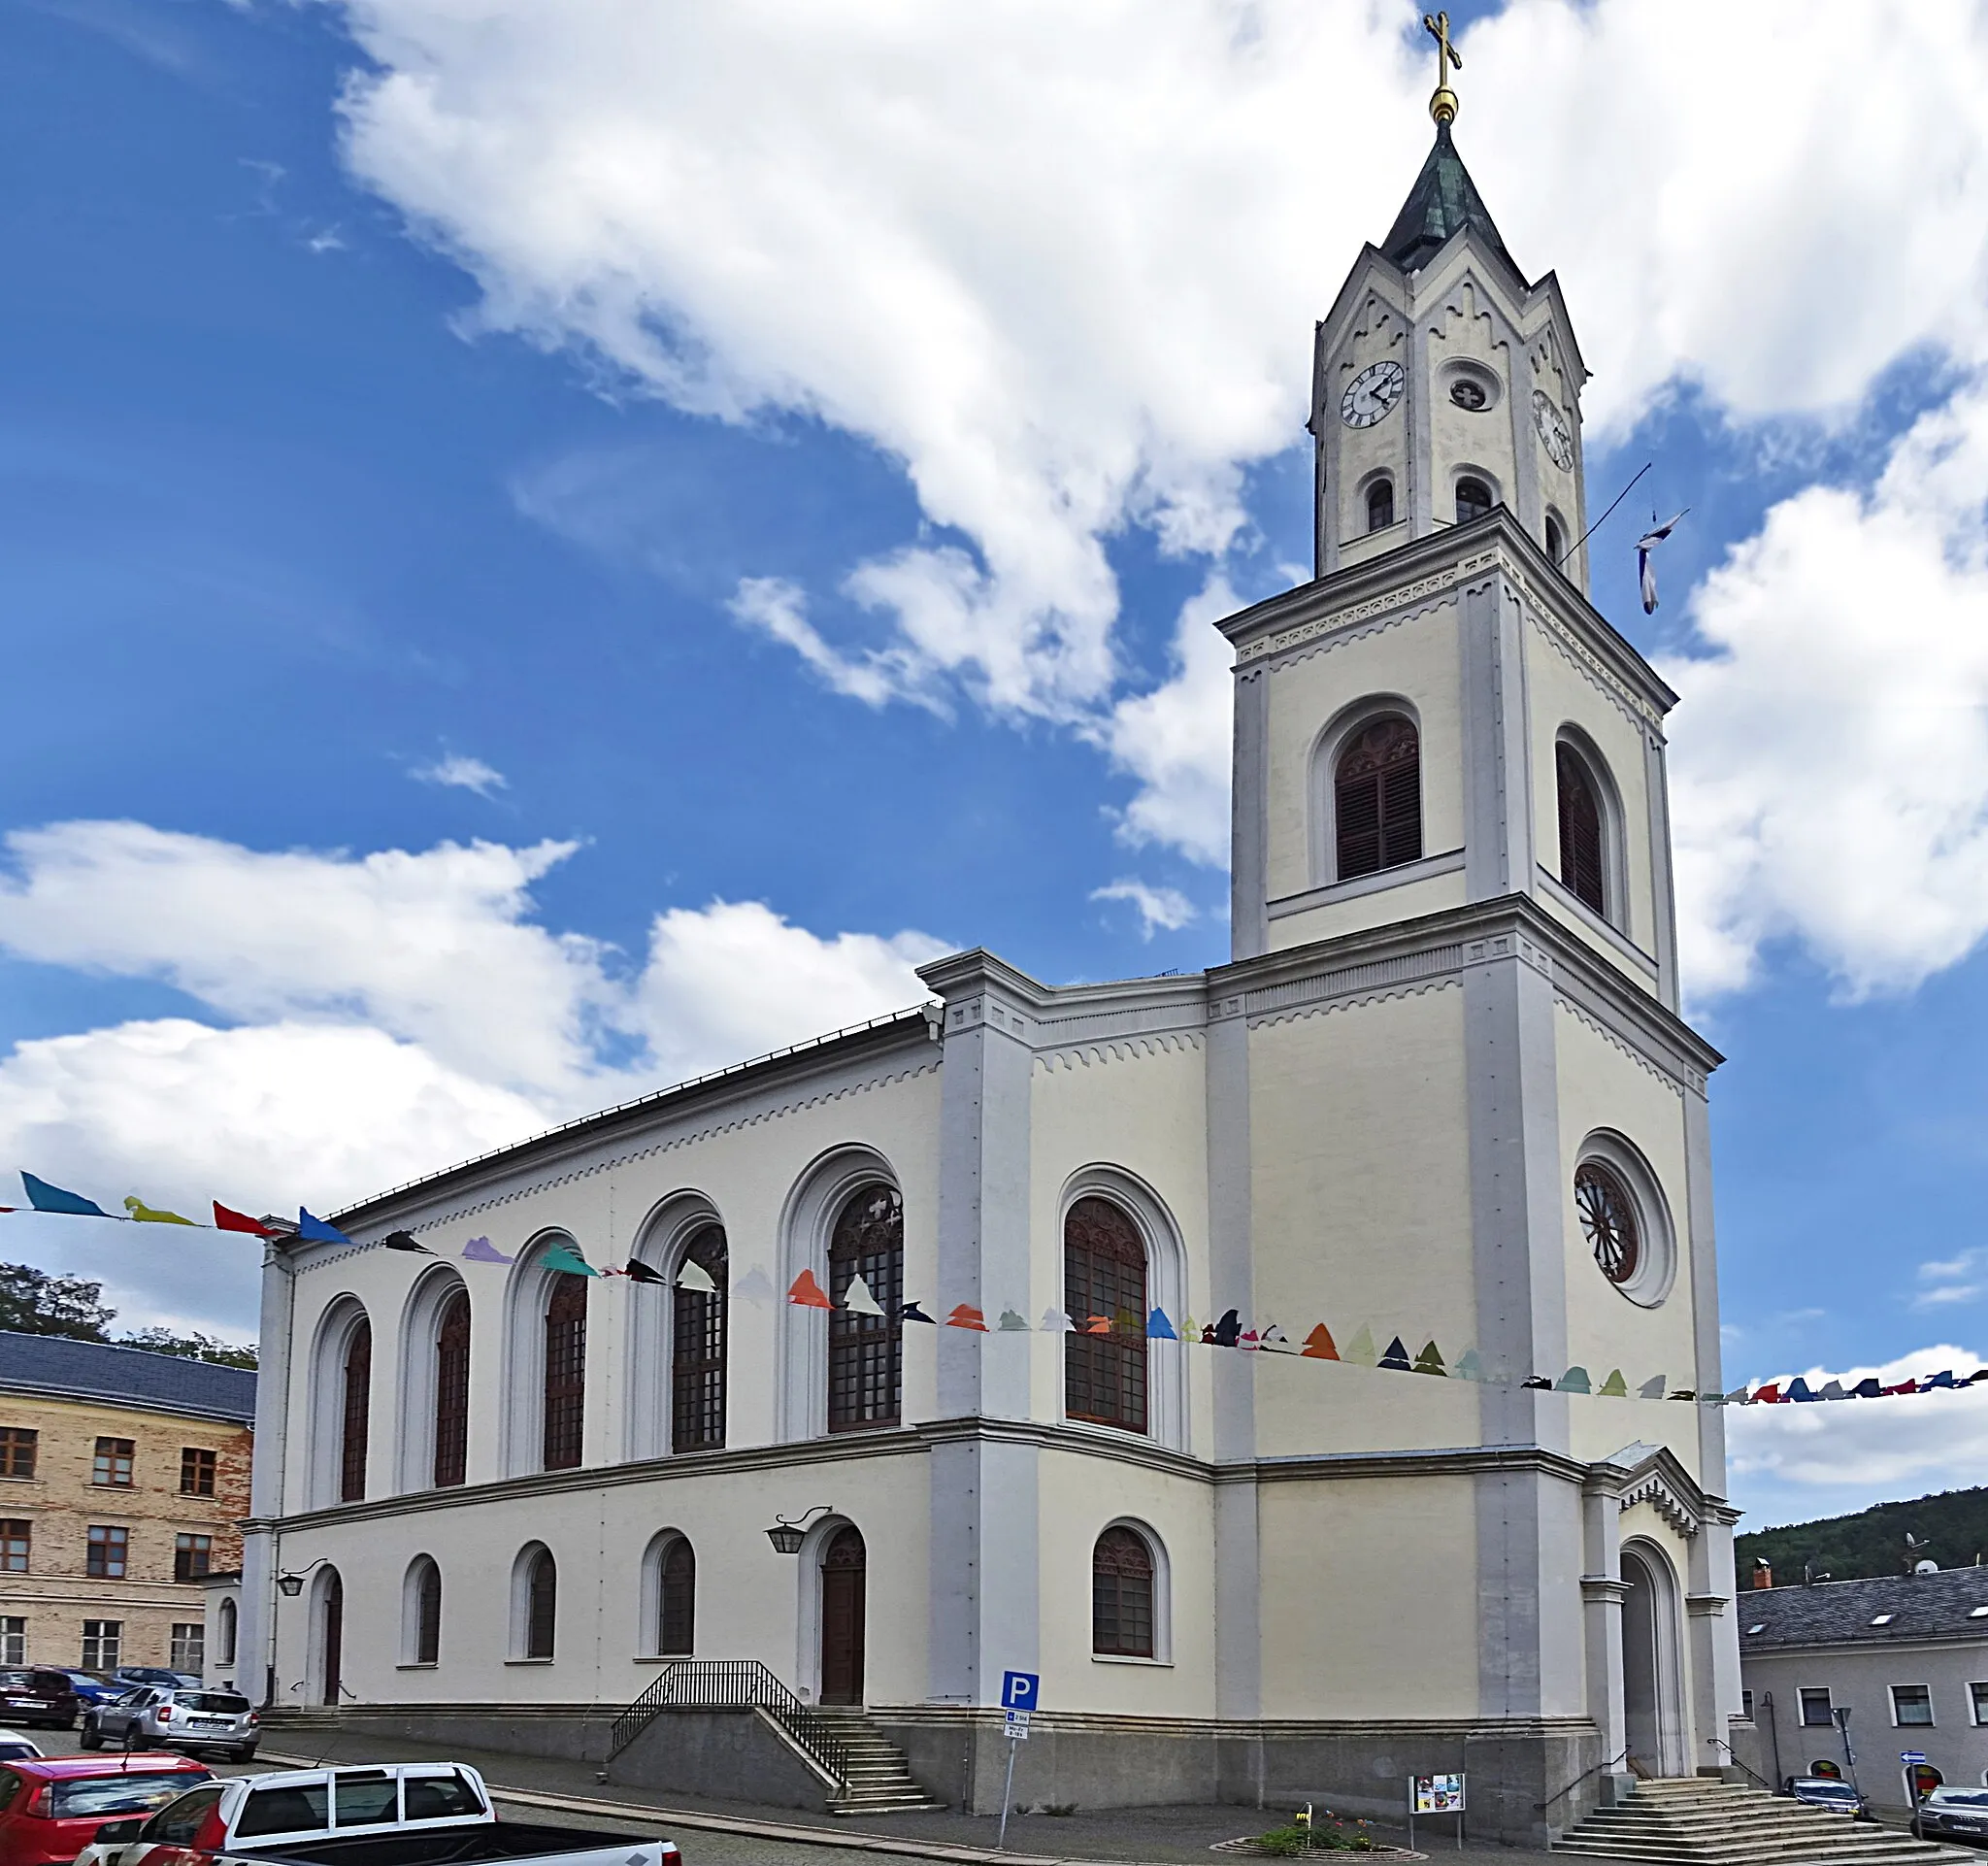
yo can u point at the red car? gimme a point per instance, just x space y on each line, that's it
51 1807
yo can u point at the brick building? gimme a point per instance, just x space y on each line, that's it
124 1477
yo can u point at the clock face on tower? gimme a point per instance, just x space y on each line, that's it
1371 393
1553 429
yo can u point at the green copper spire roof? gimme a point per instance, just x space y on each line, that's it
1444 200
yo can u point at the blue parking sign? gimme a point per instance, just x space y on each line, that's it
1018 1690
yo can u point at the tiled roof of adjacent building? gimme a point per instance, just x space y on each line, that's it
1878 1611
60 1368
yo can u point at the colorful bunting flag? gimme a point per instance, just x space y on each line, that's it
1276 1341
1573 1381
1248 1341
318 1231
1396 1357
965 1315
1430 1361
1652 1388
1360 1351
1228 1330
1013 1322
1615 1387
1536 1383
1097 1324
755 1286
694 1275
45 1197
635 1271
1468 1366
1157 1327
566 1262
143 1213
1319 1345
227 1221
1055 1322
482 1251
404 1240
911 1312
805 1293
858 1300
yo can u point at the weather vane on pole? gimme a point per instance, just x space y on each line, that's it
1443 105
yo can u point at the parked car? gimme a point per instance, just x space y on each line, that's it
38 1695
408 1813
1954 1813
1832 1793
130 1674
93 1687
14 1745
223 1720
51 1807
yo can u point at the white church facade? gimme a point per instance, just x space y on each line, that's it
1442 1092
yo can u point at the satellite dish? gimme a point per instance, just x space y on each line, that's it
1926 1568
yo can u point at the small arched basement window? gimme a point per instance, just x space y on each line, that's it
1377 800
1380 504
1581 864
565 1391
1105 1290
1122 1596
1472 500
355 1413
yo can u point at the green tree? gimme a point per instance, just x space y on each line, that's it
34 1303
194 1346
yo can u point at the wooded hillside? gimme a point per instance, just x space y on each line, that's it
1872 1542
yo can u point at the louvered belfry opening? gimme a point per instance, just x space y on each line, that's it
1581 829
1377 800
697 1350
565 1398
1122 1596
866 1352
355 1408
677 1604
540 1606
1105 1287
1472 500
453 1390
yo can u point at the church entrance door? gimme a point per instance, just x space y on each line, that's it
334 1636
843 1573
1649 1662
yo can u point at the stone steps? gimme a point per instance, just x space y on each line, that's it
1699 1822
876 1777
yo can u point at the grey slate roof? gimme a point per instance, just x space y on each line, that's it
58 1368
1444 200
1840 1612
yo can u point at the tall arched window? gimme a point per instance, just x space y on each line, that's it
565 1403
1380 504
1556 540
866 1352
1378 799
1104 1290
677 1601
421 1613
697 1350
1122 1596
355 1413
224 1633
1472 500
453 1390
541 1605
1581 829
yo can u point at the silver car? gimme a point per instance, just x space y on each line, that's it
173 1718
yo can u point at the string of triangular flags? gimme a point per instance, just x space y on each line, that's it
1228 1332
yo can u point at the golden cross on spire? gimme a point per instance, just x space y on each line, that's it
1443 105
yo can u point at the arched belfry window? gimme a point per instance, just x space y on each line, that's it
1556 539
677 1601
1122 1596
1472 500
453 1390
1104 1295
355 1413
866 1352
697 1350
565 1390
1378 799
1380 504
1582 849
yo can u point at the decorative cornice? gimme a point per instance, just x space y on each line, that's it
1335 627
1604 1587
1117 1049
1655 1489
1704 1606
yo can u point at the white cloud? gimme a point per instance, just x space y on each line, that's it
458 772
1830 754
1162 909
776 608
1789 1463
1953 1279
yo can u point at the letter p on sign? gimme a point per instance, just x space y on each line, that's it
1018 1690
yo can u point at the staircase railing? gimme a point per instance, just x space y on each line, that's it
1733 1757
735 1684
1540 1807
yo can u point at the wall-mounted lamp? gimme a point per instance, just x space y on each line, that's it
788 1537
292 1586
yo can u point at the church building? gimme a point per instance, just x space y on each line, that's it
1440 1093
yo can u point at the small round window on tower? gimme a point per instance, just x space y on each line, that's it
1467 392
1607 1220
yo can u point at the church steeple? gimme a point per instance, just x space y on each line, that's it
1444 201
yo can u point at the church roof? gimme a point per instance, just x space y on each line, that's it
1444 201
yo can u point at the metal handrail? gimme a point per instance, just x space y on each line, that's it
1719 1742
734 1684
1540 1806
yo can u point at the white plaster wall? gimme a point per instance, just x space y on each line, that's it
1464 323
1378 333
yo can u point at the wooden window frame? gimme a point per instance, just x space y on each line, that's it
1583 820
542 1607
428 1613
1124 1595
107 1552
866 1352
114 1465
199 1471
676 1600
1106 1278
21 1530
192 1555
562 1437
1376 781
19 1451
356 1410
450 1465
700 1324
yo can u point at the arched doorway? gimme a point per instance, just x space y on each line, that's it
842 1568
1652 1723
331 1637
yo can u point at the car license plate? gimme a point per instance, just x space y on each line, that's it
30 1703
207 1723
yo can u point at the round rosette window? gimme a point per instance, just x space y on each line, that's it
1623 1221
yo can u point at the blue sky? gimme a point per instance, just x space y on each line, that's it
384 468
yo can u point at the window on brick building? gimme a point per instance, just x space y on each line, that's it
189 1647
17 1546
107 1553
192 1557
12 1640
197 1467
112 1463
17 1443
102 1644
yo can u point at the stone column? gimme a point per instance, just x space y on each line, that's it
1714 1644
1603 1592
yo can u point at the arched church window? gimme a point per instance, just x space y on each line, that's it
565 1392
1122 1596
1378 799
452 1392
1581 829
1556 539
422 1632
677 1601
226 1621
1380 504
1608 1220
1472 500
866 1352
1104 1295
356 1410
541 1605
697 1349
